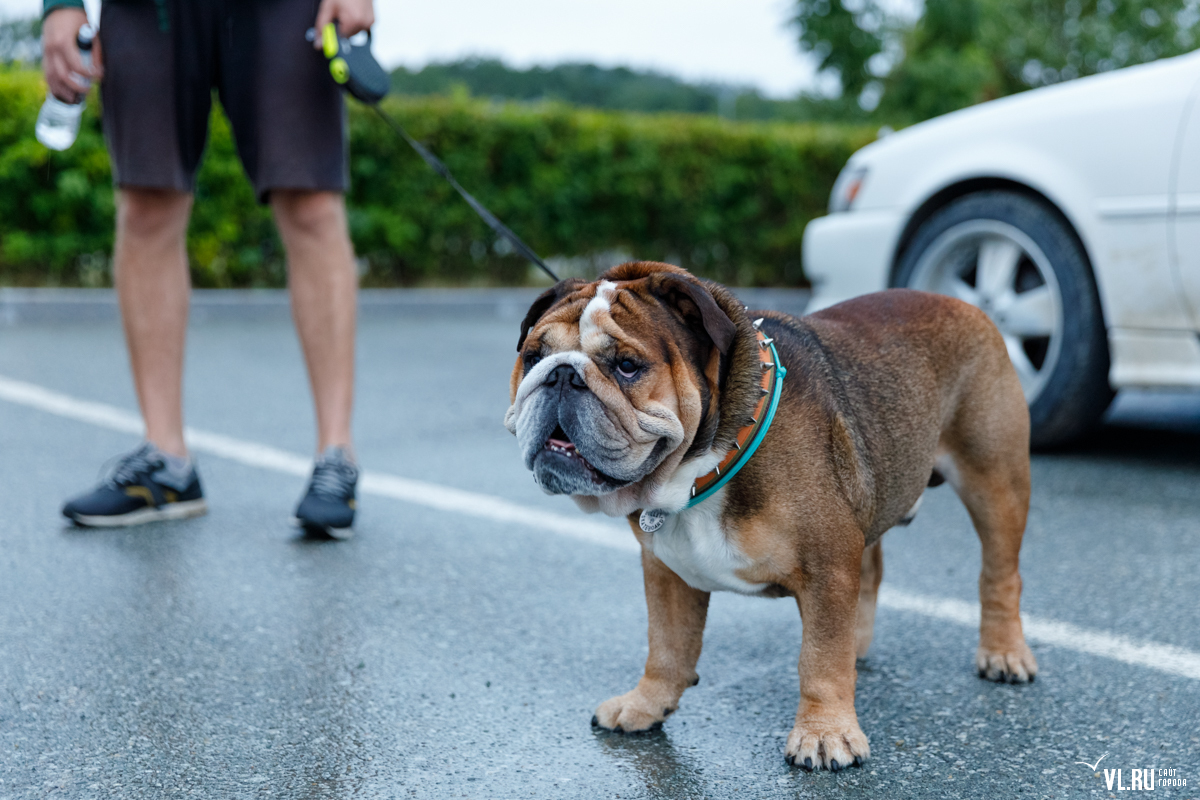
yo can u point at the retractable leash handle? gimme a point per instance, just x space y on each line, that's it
354 67
356 70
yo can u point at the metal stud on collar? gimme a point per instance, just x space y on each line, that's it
765 343
757 323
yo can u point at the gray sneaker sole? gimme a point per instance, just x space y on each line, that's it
182 510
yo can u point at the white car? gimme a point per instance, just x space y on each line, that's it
1070 214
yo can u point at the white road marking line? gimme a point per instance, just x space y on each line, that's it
432 495
1165 658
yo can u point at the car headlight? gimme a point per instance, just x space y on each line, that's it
846 188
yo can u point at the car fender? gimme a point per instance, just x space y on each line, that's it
1124 239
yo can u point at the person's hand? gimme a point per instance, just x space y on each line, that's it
60 54
353 16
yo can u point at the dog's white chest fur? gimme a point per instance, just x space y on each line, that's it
696 549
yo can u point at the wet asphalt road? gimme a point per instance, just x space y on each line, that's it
440 655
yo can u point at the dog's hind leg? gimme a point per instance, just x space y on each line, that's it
998 509
988 466
868 591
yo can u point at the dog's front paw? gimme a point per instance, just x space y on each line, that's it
633 712
825 744
1014 666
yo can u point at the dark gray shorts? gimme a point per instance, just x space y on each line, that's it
288 117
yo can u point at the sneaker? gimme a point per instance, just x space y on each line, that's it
139 488
328 505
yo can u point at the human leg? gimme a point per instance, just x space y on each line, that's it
151 275
290 129
143 93
141 98
324 283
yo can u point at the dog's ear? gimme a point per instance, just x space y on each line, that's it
543 303
695 304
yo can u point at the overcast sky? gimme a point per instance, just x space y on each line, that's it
733 41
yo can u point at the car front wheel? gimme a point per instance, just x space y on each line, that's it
1017 260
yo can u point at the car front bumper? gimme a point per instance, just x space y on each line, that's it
849 254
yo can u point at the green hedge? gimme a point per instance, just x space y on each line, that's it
728 200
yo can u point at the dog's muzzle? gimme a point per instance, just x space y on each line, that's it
573 441
562 421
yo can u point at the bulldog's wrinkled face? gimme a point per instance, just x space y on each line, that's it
613 379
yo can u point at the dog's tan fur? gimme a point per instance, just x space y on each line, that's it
882 393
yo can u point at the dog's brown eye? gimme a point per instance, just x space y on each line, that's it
532 359
626 368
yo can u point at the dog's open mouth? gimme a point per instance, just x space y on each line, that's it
560 444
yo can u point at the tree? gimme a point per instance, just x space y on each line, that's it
946 64
1038 42
844 35
961 52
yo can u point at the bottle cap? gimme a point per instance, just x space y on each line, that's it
85 37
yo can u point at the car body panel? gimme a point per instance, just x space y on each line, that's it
1104 150
845 253
1185 207
1169 359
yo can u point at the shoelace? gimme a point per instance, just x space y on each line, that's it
129 466
334 478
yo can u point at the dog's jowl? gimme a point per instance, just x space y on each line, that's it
767 454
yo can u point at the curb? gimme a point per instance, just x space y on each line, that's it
22 306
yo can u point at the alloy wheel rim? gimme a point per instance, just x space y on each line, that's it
997 268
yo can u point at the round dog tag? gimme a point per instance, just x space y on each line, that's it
652 519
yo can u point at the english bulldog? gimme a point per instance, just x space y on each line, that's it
766 454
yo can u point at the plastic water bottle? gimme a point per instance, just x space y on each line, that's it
58 122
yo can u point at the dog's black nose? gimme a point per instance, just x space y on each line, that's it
564 375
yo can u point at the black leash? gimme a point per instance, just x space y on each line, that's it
356 70
487 216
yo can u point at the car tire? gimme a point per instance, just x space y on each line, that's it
1018 259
